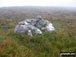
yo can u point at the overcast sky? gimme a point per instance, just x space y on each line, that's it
63 3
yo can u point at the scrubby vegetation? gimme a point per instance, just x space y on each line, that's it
49 44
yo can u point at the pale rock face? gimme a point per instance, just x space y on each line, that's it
32 26
50 27
38 31
29 32
21 28
34 29
23 23
27 28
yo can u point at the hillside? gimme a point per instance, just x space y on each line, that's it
49 44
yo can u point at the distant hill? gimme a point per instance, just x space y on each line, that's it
32 12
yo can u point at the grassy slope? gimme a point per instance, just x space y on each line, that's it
49 44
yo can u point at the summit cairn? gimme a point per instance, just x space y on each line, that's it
36 26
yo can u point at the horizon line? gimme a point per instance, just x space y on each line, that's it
39 6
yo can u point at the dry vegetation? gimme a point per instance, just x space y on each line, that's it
49 44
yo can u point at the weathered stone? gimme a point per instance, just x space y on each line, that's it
34 26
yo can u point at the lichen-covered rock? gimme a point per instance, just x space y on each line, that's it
27 28
36 26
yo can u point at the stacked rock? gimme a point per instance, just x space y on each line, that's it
36 26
